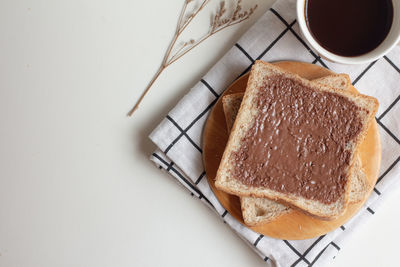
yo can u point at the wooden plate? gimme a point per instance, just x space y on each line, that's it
293 225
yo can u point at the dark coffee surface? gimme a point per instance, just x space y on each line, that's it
349 27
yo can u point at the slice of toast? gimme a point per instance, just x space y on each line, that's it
261 81
256 211
231 103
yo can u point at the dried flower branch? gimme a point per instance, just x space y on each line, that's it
219 22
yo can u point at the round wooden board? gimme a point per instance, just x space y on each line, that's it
294 225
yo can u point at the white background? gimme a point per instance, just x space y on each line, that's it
76 185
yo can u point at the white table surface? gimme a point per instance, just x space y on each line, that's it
76 185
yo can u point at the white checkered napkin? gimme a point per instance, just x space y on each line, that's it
276 36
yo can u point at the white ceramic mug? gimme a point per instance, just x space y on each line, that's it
388 43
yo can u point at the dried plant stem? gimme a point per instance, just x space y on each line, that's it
181 26
219 23
190 18
178 56
160 70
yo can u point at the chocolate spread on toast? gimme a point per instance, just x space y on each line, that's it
298 142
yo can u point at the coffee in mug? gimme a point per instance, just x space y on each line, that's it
349 27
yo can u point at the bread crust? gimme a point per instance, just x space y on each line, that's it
235 187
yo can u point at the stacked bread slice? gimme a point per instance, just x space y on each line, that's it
261 201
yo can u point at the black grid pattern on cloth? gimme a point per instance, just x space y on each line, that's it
370 210
303 256
258 240
289 28
383 126
379 119
317 59
209 88
184 131
169 168
244 52
322 252
200 177
388 169
266 49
